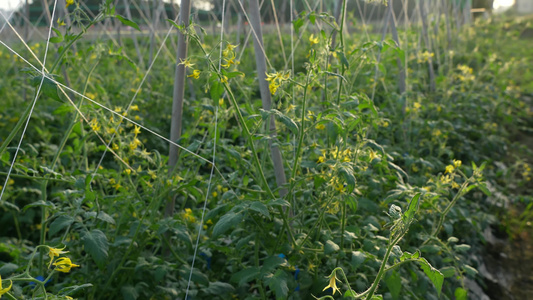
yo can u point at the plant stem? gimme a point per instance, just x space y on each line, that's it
18 126
341 36
256 260
382 268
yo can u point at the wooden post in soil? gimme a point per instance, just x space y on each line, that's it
178 94
133 34
425 34
260 60
338 5
446 9
402 86
117 25
155 24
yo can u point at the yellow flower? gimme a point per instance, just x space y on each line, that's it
4 290
449 169
137 130
111 130
320 126
69 2
457 163
291 107
195 74
115 147
445 179
134 107
321 159
313 40
64 264
52 252
152 174
188 215
273 87
372 155
229 60
332 283
224 79
215 194
455 185
127 171
94 125
60 22
229 51
187 63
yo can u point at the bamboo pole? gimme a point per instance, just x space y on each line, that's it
178 94
277 159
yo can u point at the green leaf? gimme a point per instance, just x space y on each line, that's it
298 23
430 249
7 269
219 288
216 91
358 258
56 39
433 274
286 121
245 276
179 27
470 270
312 17
271 263
484 189
48 88
330 247
448 272
394 283
260 208
278 283
95 243
128 22
129 292
350 294
461 248
348 175
60 223
39 203
343 59
197 276
226 222
460 294
412 209
72 289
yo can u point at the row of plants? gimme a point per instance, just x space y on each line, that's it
386 195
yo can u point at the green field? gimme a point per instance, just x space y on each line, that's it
349 183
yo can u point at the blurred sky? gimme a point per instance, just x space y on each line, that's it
12 4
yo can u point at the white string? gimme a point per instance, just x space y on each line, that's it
200 226
34 100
